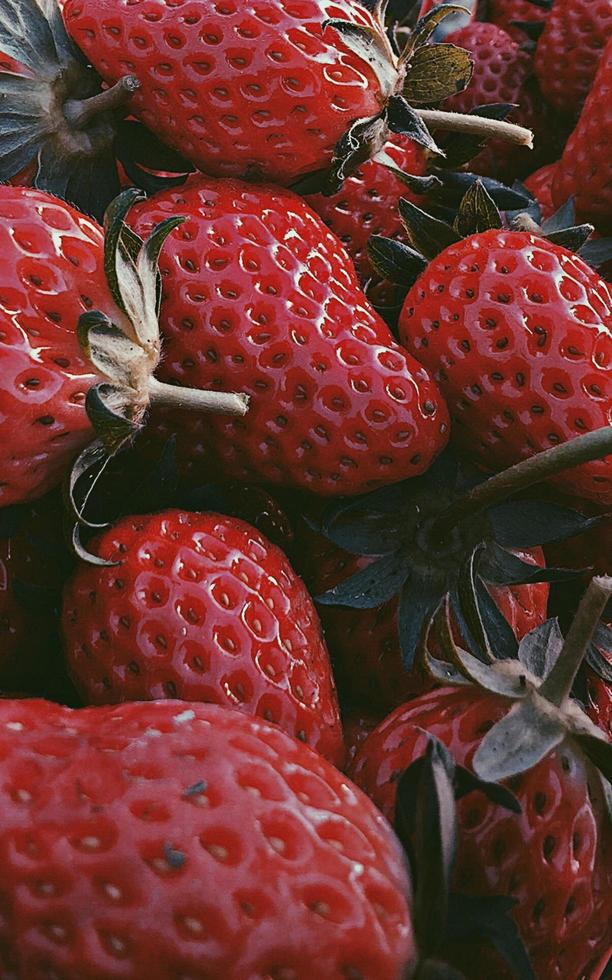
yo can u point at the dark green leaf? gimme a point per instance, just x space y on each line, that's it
477 212
500 635
371 586
437 71
500 567
395 261
598 751
532 28
418 602
520 740
539 650
467 782
596 659
114 227
596 252
25 35
425 27
571 238
417 184
89 465
475 919
527 523
82 552
466 606
11 519
403 120
360 142
429 235
565 217
112 427
454 185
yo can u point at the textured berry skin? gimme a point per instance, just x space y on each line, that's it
278 94
364 643
569 51
585 169
367 203
599 697
501 74
204 608
260 297
504 12
539 184
168 840
356 729
554 857
524 352
52 271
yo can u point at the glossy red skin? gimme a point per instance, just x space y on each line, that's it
30 559
599 697
569 51
585 168
364 643
497 369
171 840
52 271
356 729
501 73
504 12
563 898
278 93
260 297
539 184
204 608
368 202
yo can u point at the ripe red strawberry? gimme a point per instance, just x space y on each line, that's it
585 169
539 184
364 643
505 13
553 858
356 729
501 74
258 294
599 693
281 90
165 839
201 607
569 51
367 203
52 271
523 356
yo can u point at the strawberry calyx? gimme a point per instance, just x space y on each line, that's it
426 823
427 532
127 353
55 113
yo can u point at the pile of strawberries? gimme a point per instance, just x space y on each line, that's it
305 489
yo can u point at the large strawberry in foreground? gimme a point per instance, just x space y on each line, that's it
258 294
518 333
201 607
175 840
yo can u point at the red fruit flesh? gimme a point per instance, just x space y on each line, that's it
585 169
505 12
171 840
278 91
554 857
523 354
52 271
203 608
364 643
539 184
260 297
368 201
569 51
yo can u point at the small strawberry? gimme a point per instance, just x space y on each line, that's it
172 840
201 607
570 49
585 169
554 857
520 370
501 75
539 184
52 279
259 294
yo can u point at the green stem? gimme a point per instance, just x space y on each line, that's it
557 686
536 469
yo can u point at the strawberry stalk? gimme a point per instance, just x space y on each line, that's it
472 125
80 112
536 469
558 685
194 399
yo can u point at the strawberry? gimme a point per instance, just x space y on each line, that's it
599 687
508 13
367 202
501 75
569 51
539 184
53 280
259 294
170 840
365 643
554 857
201 607
584 171
356 729
520 370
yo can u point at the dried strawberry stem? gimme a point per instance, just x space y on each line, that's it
558 685
542 466
79 112
195 399
456 122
